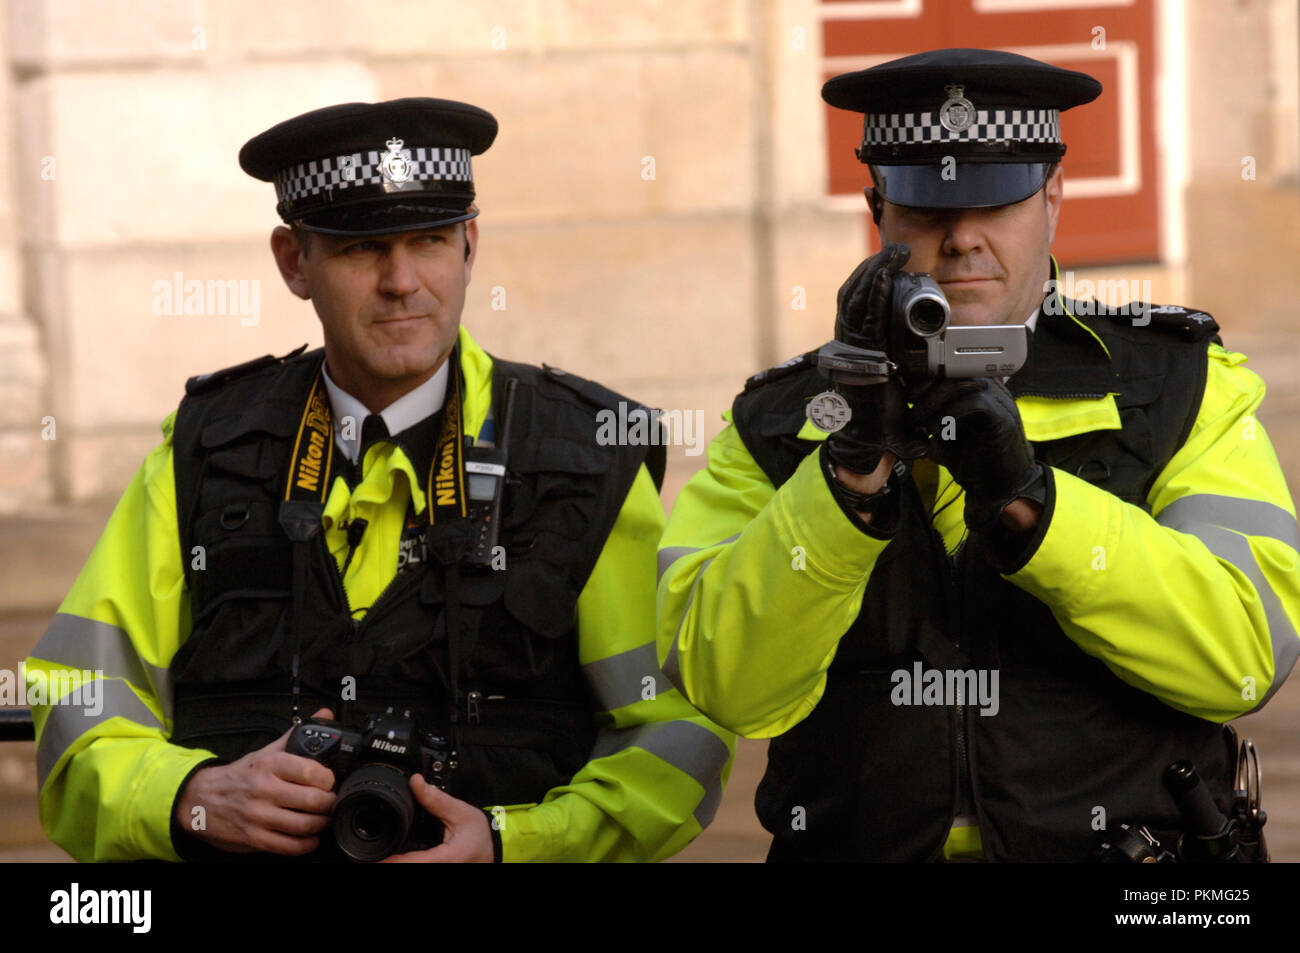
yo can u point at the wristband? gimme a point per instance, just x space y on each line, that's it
882 506
850 496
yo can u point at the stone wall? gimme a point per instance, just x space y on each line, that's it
654 209
618 202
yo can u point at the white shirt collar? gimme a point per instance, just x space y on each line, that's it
407 411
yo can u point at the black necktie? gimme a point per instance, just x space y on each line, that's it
373 429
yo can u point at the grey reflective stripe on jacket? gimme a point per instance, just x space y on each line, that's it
1223 524
621 679
83 643
691 748
106 654
66 723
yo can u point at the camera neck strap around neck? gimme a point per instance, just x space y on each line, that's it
307 488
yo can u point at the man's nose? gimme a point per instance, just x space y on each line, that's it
398 276
963 233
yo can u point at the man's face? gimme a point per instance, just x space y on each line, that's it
991 262
390 305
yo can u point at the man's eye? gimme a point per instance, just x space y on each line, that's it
361 248
922 214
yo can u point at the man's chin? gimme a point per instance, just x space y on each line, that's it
972 314
395 372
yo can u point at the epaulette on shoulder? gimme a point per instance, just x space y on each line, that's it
588 390
784 369
207 382
1186 323
656 459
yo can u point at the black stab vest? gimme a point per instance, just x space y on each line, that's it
877 781
532 727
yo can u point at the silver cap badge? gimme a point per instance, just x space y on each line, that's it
395 166
957 113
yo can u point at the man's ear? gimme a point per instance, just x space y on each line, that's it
471 246
288 255
1053 193
876 201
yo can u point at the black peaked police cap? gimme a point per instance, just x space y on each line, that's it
960 128
373 168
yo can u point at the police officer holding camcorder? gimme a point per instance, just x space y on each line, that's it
982 610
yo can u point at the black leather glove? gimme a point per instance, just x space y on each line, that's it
864 300
976 433
879 419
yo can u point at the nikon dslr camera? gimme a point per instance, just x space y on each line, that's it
376 814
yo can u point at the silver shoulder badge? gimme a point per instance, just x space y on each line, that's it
957 112
829 412
395 166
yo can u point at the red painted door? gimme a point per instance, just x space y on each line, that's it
1110 213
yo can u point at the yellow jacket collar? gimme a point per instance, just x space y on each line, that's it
476 367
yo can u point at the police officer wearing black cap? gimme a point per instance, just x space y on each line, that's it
399 527
981 618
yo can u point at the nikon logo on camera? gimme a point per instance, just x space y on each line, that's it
389 746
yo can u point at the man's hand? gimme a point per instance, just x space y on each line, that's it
878 425
865 300
268 800
468 838
976 433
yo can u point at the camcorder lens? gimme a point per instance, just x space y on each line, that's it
927 317
374 812
920 305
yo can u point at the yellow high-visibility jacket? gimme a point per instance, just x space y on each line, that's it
109 779
1195 602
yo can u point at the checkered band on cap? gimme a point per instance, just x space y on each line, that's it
363 168
990 125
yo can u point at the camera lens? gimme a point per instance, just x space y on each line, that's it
926 316
919 302
374 822
374 812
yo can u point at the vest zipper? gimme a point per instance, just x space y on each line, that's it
339 589
378 604
479 699
963 760
965 794
342 592
471 706
1054 396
